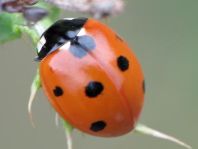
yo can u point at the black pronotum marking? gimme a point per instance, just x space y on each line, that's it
98 126
60 32
122 63
93 89
143 86
58 91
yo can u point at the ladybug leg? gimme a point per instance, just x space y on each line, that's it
36 85
68 133
140 128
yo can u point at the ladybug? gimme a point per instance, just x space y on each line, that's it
91 77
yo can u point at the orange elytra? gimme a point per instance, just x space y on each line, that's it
91 77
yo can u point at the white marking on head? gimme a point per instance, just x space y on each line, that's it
68 18
66 46
40 44
82 32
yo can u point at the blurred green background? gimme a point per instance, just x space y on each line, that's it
164 36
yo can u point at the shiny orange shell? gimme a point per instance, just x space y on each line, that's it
65 79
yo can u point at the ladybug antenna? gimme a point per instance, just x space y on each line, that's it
36 85
140 128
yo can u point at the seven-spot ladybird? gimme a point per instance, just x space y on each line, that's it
91 77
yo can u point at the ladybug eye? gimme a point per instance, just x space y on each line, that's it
58 34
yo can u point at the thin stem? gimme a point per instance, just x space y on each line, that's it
68 133
157 134
36 30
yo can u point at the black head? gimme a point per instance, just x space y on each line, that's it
56 35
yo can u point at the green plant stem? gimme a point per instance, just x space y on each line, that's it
36 30
35 33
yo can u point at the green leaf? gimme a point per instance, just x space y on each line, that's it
53 11
9 27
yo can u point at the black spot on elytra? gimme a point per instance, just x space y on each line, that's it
58 91
82 45
122 63
93 89
98 126
143 86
